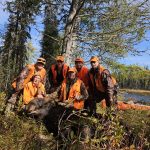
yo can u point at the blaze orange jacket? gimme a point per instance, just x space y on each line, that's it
30 91
98 80
31 73
82 75
74 90
54 72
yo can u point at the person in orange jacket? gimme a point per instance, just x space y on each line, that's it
28 72
82 71
73 90
57 73
101 85
33 89
24 77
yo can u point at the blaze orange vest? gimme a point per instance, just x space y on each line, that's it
74 90
82 75
98 80
54 72
30 91
32 71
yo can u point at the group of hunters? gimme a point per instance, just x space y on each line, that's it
79 86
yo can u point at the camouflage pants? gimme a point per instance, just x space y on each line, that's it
12 102
90 104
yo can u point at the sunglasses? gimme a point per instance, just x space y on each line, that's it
59 61
93 62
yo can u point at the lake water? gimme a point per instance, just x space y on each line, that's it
137 97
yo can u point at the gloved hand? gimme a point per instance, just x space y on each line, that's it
40 96
69 104
19 87
67 101
78 97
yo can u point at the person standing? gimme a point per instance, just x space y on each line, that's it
57 73
82 71
101 85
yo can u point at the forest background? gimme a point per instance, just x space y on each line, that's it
116 31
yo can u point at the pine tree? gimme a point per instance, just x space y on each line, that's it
14 52
50 42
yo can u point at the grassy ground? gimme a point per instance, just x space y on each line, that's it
137 121
22 133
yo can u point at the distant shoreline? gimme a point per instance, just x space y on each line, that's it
137 91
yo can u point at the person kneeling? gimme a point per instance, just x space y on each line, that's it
73 91
33 89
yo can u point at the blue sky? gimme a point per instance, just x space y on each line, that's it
143 59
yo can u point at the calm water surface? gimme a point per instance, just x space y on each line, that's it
137 97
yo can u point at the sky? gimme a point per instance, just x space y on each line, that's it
142 60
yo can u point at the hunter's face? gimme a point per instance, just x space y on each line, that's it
36 80
78 64
71 75
60 63
39 66
94 64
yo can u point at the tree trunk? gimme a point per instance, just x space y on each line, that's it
67 47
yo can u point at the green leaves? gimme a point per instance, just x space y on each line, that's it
111 28
17 34
131 76
51 40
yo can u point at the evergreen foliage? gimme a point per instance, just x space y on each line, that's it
14 51
50 42
132 76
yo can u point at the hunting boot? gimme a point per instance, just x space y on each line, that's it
11 104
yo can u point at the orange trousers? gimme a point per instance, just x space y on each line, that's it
124 106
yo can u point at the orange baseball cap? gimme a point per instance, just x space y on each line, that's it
72 70
79 60
60 58
41 60
94 58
